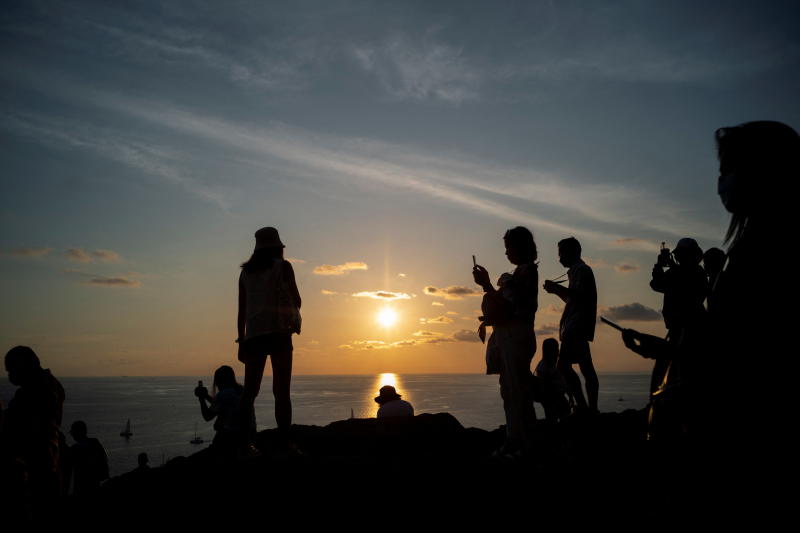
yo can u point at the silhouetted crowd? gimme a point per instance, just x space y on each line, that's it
718 392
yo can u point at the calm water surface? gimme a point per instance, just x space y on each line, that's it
164 412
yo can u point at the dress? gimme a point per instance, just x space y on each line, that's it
510 350
578 320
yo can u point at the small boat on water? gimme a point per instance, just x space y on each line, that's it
127 431
196 439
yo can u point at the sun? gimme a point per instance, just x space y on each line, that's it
387 317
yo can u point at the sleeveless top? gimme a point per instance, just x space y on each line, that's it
269 304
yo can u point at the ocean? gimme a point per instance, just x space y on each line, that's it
164 413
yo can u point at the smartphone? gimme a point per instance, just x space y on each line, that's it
474 263
610 323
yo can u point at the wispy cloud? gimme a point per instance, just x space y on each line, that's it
437 304
120 281
410 69
296 261
326 292
547 329
29 252
466 335
340 270
383 295
151 159
634 312
77 255
522 195
595 263
441 319
421 337
113 282
453 292
107 256
625 268
274 64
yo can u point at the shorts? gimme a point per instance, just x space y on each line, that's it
264 345
575 352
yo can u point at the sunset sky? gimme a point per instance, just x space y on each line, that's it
143 143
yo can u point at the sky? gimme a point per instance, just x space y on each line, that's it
143 143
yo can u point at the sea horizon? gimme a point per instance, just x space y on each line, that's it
165 415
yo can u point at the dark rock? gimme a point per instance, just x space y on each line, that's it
356 461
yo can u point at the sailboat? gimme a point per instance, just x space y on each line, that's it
196 439
127 431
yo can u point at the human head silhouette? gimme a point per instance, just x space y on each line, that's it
268 248
758 163
687 252
569 251
550 350
22 364
78 430
224 377
520 246
387 394
142 459
713 260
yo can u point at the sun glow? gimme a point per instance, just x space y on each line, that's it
387 317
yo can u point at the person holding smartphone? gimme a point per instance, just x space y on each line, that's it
510 311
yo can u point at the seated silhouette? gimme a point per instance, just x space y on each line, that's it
391 404
88 460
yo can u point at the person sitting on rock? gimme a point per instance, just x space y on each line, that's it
89 460
391 405
223 404
551 389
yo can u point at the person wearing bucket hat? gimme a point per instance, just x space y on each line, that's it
391 404
269 313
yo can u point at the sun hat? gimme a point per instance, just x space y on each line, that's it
387 394
268 238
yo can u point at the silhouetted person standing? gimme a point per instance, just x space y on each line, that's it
683 282
31 438
510 310
577 322
552 389
269 312
391 404
759 167
88 459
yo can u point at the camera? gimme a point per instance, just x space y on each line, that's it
665 257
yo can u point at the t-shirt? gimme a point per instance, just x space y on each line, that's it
580 312
395 408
